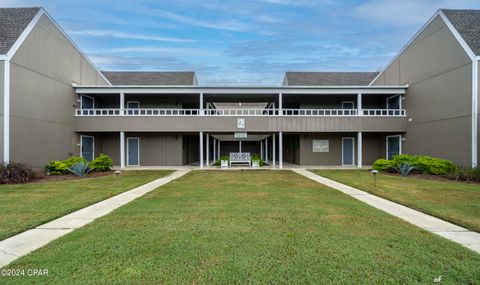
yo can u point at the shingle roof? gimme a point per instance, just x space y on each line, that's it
467 23
328 78
151 77
12 23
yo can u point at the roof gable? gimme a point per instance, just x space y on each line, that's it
13 22
151 78
467 24
328 78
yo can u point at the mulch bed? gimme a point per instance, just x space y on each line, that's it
431 177
42 177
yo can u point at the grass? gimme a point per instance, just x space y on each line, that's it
457 202
225 227
25 206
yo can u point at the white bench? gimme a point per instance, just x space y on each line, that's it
240 158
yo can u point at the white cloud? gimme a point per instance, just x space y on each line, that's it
167 51
119 35
407 12
230 25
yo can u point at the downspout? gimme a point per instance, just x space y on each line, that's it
475 112
6 112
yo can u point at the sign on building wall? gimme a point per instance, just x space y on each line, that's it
320 146
240 135
241 123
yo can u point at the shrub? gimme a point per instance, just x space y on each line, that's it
56 167
80 169
383 165
434 166
223 157
465 174
102 163
424 164
16 173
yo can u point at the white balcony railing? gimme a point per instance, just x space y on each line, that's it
243 112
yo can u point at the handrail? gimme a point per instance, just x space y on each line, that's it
243 112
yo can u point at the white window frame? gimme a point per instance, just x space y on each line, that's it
81 100
399 102
93 145
399 144
353 153
138 158
328 146
349 102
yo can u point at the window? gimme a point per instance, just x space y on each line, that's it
131 106
320 145
348 105
394 146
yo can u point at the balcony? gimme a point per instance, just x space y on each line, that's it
241 112
225 120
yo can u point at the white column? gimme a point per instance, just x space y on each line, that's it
122 150
201 149
359 104
261 151
6 112
266 149
280 104
359 149
273 150
207 144
214 150
122 103
201 103
280 150
239 146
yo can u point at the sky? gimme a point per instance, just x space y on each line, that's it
241 42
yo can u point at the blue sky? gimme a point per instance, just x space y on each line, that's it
242 41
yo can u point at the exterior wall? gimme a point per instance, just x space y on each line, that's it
438 101
42 99
373 148
156 149
229 124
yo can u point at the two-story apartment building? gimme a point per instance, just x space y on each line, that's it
55 103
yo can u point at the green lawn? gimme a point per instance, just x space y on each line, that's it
225 227
25 206
453 201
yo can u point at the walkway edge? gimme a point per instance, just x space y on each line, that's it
429 223
28 241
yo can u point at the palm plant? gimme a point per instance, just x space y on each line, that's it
80 169
404 168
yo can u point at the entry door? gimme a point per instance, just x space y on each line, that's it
348 151
393 146
133 151
87 147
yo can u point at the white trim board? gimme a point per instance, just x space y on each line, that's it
6 112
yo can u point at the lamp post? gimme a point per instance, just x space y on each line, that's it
374 172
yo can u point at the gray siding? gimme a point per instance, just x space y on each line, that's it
438 101
42 98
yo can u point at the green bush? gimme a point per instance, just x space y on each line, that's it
383 164
423 164
14 173
57 167
223 157
102 163
434 166
465 174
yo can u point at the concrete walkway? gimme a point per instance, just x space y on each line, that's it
434 225
28 241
